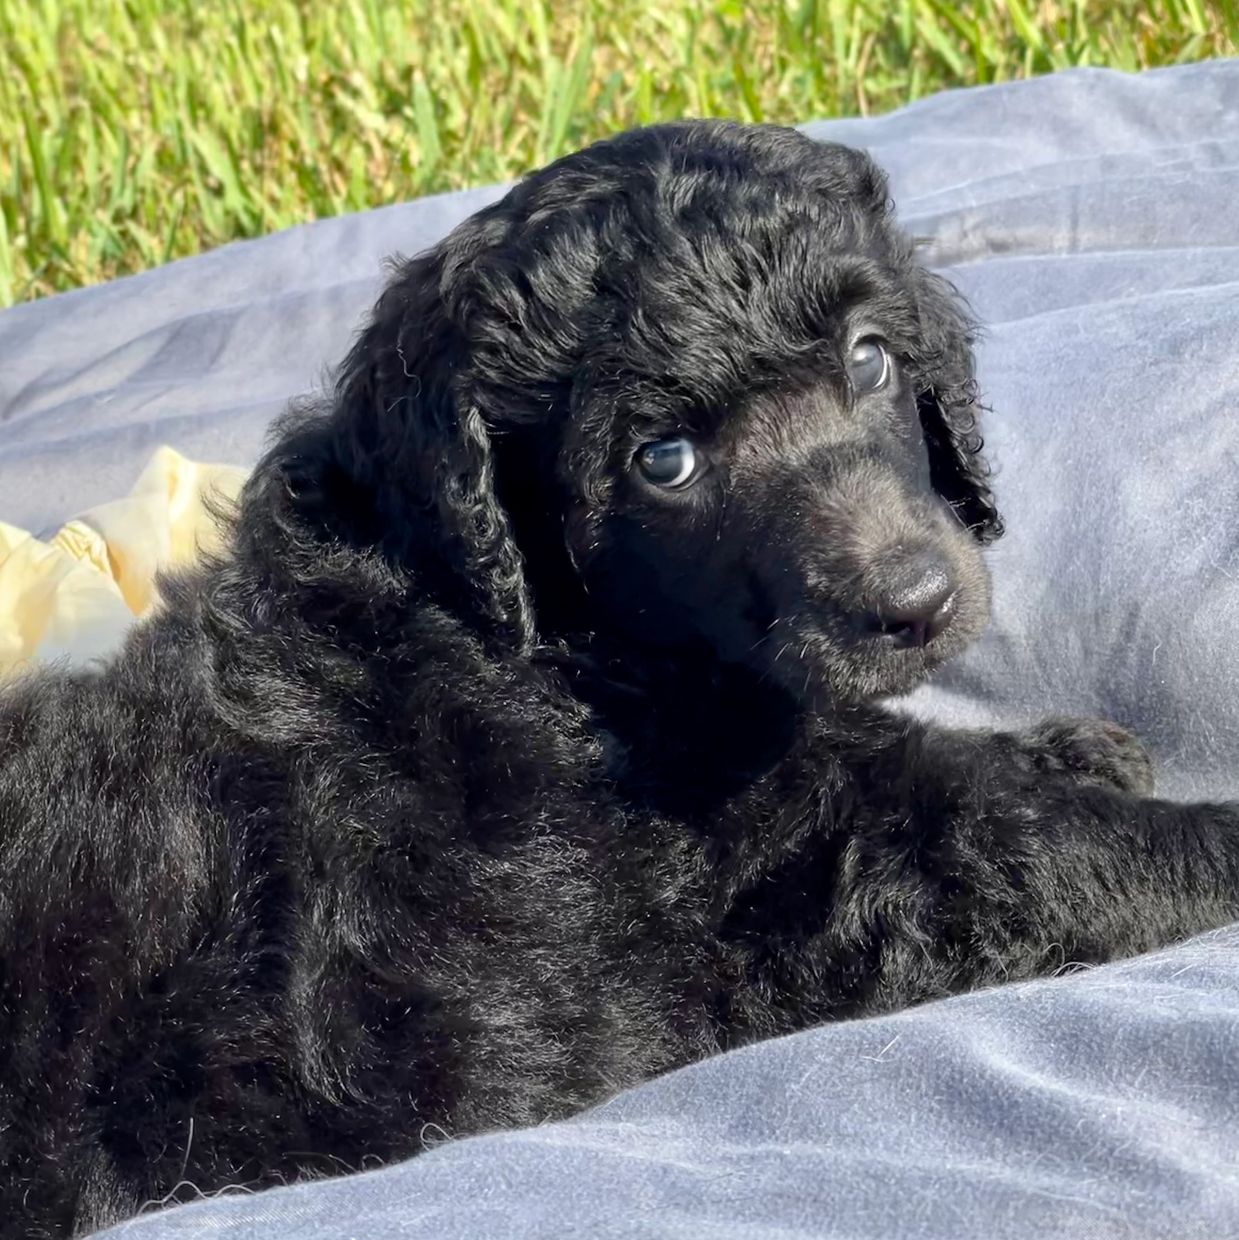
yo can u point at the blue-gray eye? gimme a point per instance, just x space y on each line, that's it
869 366
668 462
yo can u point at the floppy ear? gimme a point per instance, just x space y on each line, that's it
949 405
416 448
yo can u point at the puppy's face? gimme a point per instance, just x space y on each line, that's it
796 528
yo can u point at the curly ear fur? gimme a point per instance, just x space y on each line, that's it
409 432
949 405
948 402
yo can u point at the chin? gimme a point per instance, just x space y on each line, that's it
821 672
822 678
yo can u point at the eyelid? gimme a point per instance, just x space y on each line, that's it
866 334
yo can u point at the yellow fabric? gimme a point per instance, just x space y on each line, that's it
75 595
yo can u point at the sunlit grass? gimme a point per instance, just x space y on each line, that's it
134 131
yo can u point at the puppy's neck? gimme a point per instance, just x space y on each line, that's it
689 727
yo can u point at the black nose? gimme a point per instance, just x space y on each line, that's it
916 600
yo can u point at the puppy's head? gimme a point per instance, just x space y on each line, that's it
690 388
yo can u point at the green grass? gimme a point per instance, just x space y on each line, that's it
135 131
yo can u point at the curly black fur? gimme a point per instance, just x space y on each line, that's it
483 777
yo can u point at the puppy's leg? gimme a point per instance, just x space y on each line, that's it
934 861
1091 750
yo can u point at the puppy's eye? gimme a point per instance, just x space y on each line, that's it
869 366
669 462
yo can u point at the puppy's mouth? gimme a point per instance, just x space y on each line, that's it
811 662
819 653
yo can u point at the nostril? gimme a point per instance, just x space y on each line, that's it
922 629
918 602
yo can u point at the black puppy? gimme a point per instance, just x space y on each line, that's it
524 743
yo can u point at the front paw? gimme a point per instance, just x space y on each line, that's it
1095 751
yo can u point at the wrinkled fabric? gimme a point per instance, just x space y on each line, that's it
1101 1106
1091 219
73 597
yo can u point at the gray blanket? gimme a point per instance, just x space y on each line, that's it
1092 220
